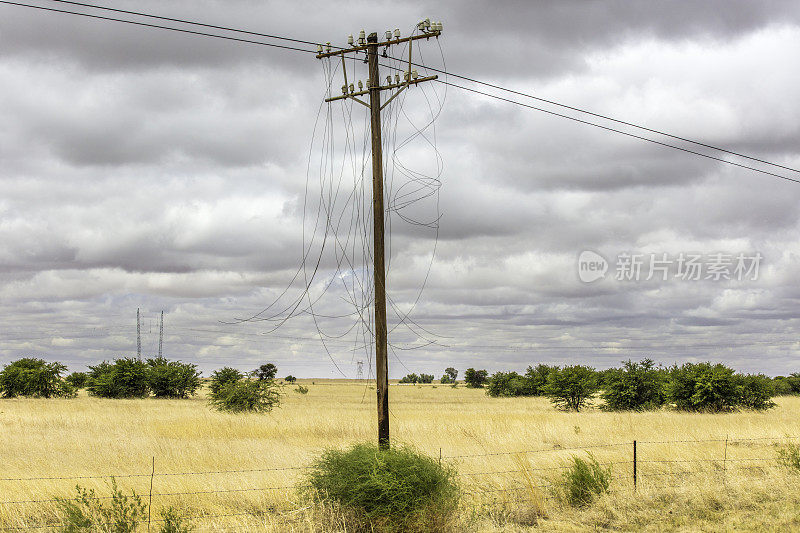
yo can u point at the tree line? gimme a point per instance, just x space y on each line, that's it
127 377
638 386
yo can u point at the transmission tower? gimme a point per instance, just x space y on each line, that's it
359 370
396 86
161 334
138 335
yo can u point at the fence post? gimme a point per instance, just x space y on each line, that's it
634 465
725 463
440 457
150 497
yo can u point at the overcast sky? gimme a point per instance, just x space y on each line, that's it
142 168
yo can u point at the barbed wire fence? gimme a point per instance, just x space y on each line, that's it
634 458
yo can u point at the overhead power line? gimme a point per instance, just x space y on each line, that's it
146 25
184 21
621 132
605 117
466 78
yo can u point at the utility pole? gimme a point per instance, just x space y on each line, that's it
161 335
138 335
370 46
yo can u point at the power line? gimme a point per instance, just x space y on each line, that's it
146 25
184 21
598 115
621 132
466 78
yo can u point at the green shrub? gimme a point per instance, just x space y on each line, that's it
34 378
755 391
247 395
264 372
508 384
584 480
789 456
389 490
223 376
634 387
537 377
571 387
475 378
124 378
290 379
450 375
172 521
410 378
78 379
301 389
87 512
703 387
172 379
426 378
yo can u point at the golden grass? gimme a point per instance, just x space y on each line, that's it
95 437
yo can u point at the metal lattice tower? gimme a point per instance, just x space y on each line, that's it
161 335
138 335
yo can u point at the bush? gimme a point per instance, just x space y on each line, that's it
537 377
172 379
584 480
172 521
410 378
247 395
755 391
450 375
635 387
475 378
703 387
571 387
265 372
301 389
87 512
34 378
290 379
389 490
789 456
78 379
508 384
124 378
223 376
426 378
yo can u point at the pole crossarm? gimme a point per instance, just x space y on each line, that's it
382 88
390 42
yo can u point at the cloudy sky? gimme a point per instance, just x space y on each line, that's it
143 168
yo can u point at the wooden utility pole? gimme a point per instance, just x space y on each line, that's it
370 45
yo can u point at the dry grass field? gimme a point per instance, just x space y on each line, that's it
704 486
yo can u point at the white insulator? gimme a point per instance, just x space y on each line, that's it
368 85
421 25
389 80
352 89
414 74
438 26
360 86
397 78
388 35
406 76
328 46
427 24
362 37
350 40
319 48
344 89
397 33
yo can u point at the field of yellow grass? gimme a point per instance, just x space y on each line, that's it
238 472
